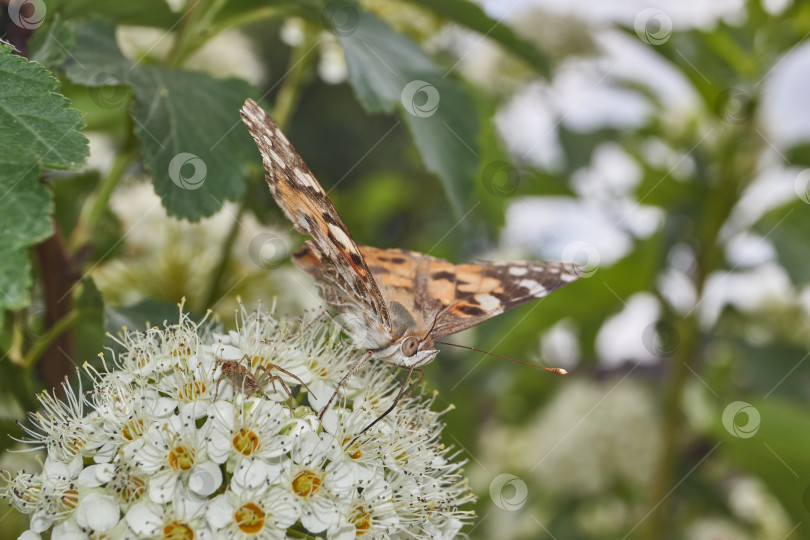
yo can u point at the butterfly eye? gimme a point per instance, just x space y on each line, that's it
409 346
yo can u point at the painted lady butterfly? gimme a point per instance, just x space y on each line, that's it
399 301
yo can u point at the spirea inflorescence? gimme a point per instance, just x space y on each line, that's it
149 452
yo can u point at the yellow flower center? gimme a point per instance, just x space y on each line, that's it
177 530
132 490
132 429
355 451
361 520
192 390
246 442
306 484
249 518
181 458
69 498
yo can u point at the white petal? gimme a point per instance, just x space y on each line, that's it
145 518
162 487
205 479
105 453
97 512
319 514
283 506
29 535
164 406
220 512
41 521
67 530
250 474
228 352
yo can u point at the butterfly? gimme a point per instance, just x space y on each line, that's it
395 303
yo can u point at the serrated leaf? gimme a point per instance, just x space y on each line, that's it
38 126
195 148
390 72
96 59
51 47
466 13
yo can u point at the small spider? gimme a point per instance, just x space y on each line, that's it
241 377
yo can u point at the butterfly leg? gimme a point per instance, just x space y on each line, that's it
345 378
389 409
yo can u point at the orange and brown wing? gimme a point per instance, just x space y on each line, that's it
452 297
332 255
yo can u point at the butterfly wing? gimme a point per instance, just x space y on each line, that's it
456 297
332 256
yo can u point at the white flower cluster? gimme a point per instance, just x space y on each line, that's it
195 434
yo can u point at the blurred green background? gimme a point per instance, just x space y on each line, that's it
665 146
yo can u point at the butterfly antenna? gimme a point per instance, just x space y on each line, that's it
559 371
389 409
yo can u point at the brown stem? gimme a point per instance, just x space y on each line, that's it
58 280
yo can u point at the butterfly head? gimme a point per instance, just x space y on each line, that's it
412 351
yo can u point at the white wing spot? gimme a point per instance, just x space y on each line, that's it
487 302
568 278
267 140
281 136
277 159
518 271
340 236
306 179
534 288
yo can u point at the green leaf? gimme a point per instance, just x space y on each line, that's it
141 13
38 129
471 15
96 59
388 71
38 126
775 452
196 148
15 279
786 228
139 315
52 45
25 207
